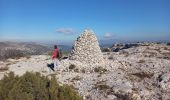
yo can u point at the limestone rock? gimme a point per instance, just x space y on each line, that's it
165 82
134 96
86 49
112 97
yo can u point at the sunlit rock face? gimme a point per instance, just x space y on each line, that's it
86 49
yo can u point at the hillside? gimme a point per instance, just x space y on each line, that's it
134 72
138 72
16 49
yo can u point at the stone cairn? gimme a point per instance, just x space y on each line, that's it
86 50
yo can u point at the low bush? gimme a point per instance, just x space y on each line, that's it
83 71
111 57
100 70
4 68
141 61
101 85
76 78
125 53
143 74
106 50
33 86
28 57
72 66
76 70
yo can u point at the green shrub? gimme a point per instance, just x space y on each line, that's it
33 86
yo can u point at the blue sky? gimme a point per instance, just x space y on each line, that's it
64 20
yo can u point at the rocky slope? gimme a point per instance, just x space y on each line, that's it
137 73
141 72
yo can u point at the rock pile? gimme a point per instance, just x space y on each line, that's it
86 49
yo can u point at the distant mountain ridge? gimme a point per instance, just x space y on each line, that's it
62 47
17 49
12 49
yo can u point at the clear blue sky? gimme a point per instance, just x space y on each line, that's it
64 20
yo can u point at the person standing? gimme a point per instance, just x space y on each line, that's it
55 55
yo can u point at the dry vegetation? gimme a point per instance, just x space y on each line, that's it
4 68
72 66
110 57
100 70
143 75
125 53
141 61
76 78
33 86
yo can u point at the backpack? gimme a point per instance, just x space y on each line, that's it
59 54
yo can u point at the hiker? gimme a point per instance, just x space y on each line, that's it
55 55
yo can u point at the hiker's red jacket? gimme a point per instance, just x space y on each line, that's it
55 53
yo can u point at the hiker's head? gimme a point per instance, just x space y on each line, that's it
55 47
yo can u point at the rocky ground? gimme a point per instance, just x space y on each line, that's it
138 73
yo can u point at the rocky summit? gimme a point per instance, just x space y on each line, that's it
86 49
137 71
